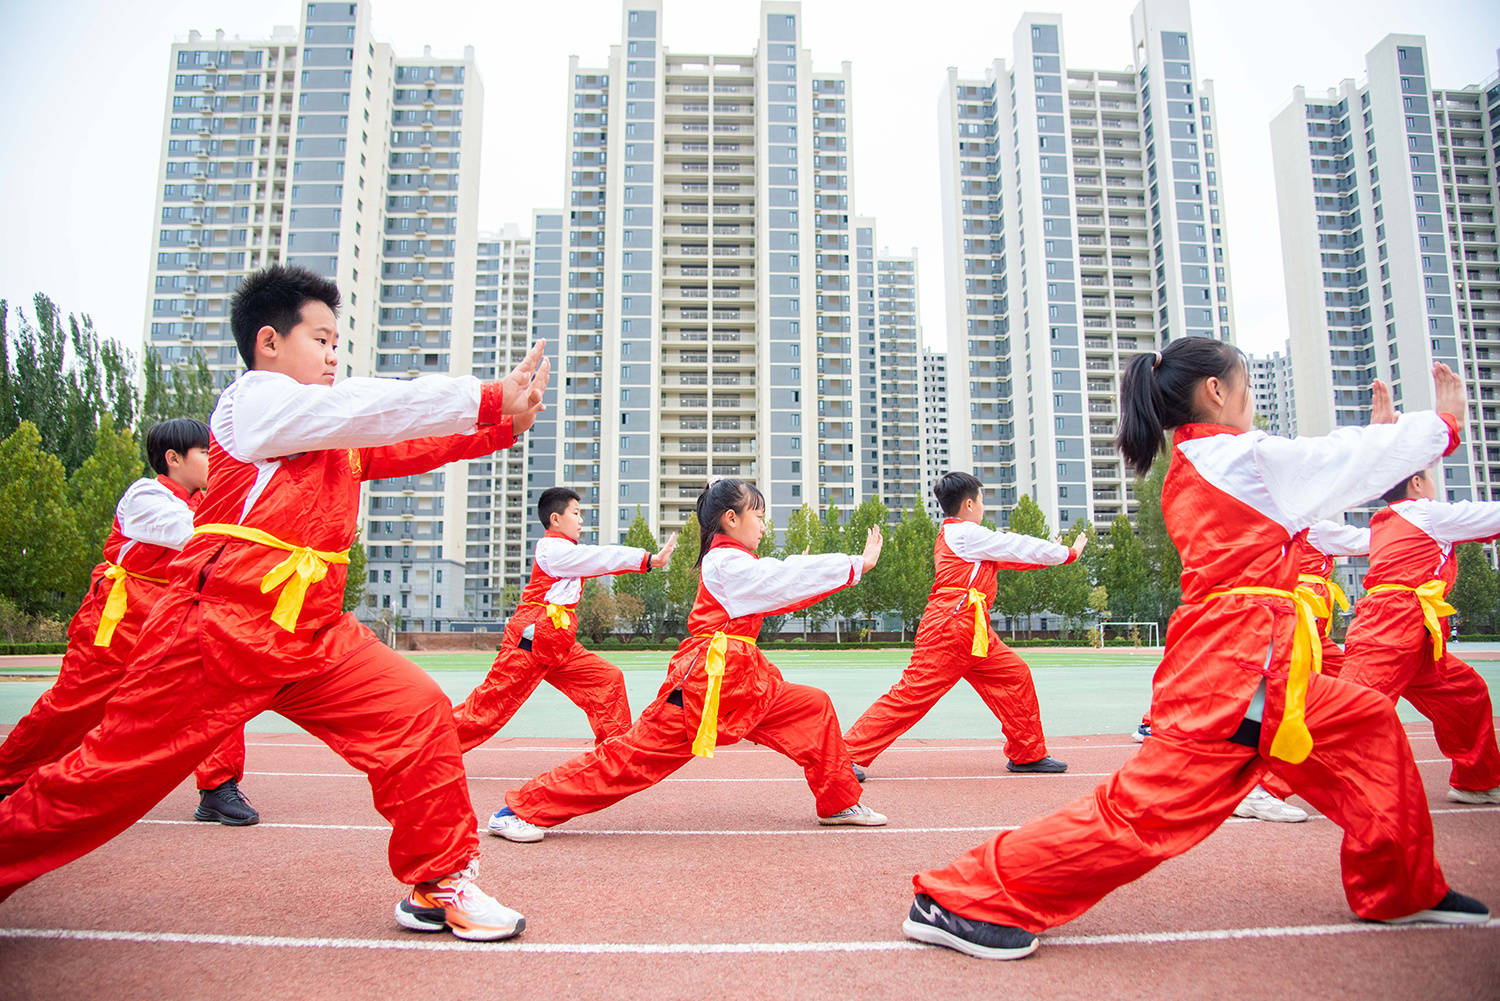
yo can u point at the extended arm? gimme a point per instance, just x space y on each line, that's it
1463 521
1334 538
745 585
149 512
559 558
1011 550
419 455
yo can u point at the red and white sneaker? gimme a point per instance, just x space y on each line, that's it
454 902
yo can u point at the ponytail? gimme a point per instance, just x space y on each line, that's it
1156 393
719 496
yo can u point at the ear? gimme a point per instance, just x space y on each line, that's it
267 340
172 458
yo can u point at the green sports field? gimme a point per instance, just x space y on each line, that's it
1080 692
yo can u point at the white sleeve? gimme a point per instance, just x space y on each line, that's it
1334 538
149 512
1462 521
264 415
565 559
976 543
745 585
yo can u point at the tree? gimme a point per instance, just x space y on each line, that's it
94 490
596 610
1164 573
1067 586
1476 591
631 610
183 390
650 588
39 540
1023 593
907 558
682 574
804 533
1125 574
354 584
875 594
839 605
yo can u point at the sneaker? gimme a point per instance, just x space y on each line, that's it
227 805
1141 733
1261 805
1453 909
859 773
929 922
857 815
1049 765
505 824
1478 797
454 902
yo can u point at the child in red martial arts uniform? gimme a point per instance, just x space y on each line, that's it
541 639
720 688
252 618
1396 645
955 641
153 521
1238 689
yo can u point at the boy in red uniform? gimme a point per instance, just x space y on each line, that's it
153 521
541 639
1396 645
955 641
252 618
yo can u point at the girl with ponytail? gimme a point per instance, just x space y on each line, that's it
1237 691
720 688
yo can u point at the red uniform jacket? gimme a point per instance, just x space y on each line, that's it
968 555
558 569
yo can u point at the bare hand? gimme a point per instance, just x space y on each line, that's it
1079 543
1382 409
664 557
873 541
522 390
1448 392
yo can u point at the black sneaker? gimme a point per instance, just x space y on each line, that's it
929 922
859 773
227 805
1453 909
1048 764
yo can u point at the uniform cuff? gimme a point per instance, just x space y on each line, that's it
491 404
1455 432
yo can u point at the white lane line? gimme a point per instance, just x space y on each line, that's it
818 830
446 944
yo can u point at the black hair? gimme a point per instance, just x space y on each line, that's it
720 496
1157 393
176 434
274 297
554 500
953 489
1399 491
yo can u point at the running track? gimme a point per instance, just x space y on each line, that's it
719 883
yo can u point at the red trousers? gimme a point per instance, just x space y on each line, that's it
379 711
798 721
1450 693
942 659
592 683
1176 791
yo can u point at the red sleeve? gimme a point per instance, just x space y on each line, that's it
1455 432
491 405
421 455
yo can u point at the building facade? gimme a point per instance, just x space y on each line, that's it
1386 193
935 460
1275 397
1083 224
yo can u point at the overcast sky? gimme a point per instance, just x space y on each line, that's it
85 88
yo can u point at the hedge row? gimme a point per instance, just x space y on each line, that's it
32 648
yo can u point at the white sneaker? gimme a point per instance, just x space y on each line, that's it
857 815
1261 805
454 902
1140 733
1478 798
505 824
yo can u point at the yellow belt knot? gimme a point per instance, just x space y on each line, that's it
304 567
1293 741
975 598
708 726
114 605
557 613
1434 606
1335 592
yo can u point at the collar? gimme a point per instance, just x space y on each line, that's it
721 541
1187 432
178 490
552 533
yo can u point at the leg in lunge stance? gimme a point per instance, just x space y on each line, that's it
802 725
597 687
218 777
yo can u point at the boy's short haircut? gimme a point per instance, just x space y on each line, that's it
554 500
176 434
274 296
954 488
1398 492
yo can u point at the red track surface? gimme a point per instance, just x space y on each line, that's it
719 883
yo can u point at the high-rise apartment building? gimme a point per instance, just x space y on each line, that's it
935 461
1083 223
1275 399
320 147
701 291
1386 192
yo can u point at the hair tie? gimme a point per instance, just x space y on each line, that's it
712 480
1157 363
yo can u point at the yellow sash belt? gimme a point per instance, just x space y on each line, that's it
1334 591
114 605
708 726
307 564
1434 605
557 613
976 599
1293 742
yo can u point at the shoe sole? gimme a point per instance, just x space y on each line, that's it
1022 770
936 936
486 933
1252 815
1476 799
523 839
860 821
1441 918
214 815
431 919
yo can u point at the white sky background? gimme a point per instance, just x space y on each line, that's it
85 89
